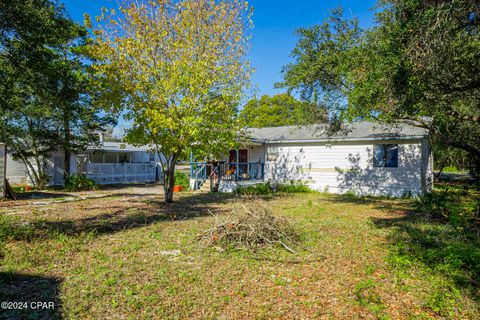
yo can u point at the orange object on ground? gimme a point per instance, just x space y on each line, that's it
177 188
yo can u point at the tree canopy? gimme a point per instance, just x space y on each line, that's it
44 89
419 63
281 110
178 70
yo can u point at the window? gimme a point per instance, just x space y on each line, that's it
96 157
124 157
110 157
272 153
385 155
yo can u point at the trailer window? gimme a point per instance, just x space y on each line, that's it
385 155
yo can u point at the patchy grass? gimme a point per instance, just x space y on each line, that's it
128 256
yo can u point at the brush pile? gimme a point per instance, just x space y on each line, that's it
251 229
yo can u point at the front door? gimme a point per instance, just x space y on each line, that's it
242 160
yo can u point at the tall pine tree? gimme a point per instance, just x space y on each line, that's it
45 102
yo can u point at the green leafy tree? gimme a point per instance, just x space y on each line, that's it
178 70
420 64
27 32
46 93
77 120
281 110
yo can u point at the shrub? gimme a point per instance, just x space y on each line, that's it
258 189
457 206
267 188
79 182
293 188
22 188
181 179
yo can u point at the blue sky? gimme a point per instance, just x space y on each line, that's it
273 35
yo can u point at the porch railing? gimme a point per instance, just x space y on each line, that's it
112 173
241 171
232 171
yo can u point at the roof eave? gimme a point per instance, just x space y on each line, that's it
416 137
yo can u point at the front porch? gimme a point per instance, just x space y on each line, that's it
227 175
117 166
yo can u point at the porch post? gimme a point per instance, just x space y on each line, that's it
236 167
191 164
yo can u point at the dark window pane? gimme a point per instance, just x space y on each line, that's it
391 155
378 155
385 155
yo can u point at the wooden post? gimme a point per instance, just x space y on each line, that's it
236 167
191 164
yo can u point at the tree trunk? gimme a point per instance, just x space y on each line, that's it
32 173
66 167
169 178
169 184
475 172
66 126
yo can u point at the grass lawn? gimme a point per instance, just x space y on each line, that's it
122 254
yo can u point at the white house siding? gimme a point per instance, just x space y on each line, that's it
54 167
427 166
17 172
256 154
348 166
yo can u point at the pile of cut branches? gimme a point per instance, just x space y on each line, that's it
251 229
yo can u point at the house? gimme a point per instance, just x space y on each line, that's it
363 157
107 163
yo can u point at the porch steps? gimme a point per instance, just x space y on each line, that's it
205 187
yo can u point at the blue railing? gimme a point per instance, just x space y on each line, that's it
234 171
198 170
241 171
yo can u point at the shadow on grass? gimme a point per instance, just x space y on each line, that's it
418 239
58 192
392 204
40 195
439 248
118 218
29 290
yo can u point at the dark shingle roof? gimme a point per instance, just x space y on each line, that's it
322 132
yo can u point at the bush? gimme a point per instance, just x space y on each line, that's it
22 188
266 188
79 182
457 206
293 188
181 179
258 189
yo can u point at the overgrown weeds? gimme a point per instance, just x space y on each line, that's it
459 206
268 188
251 228
441 242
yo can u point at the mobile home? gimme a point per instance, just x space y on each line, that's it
363 158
